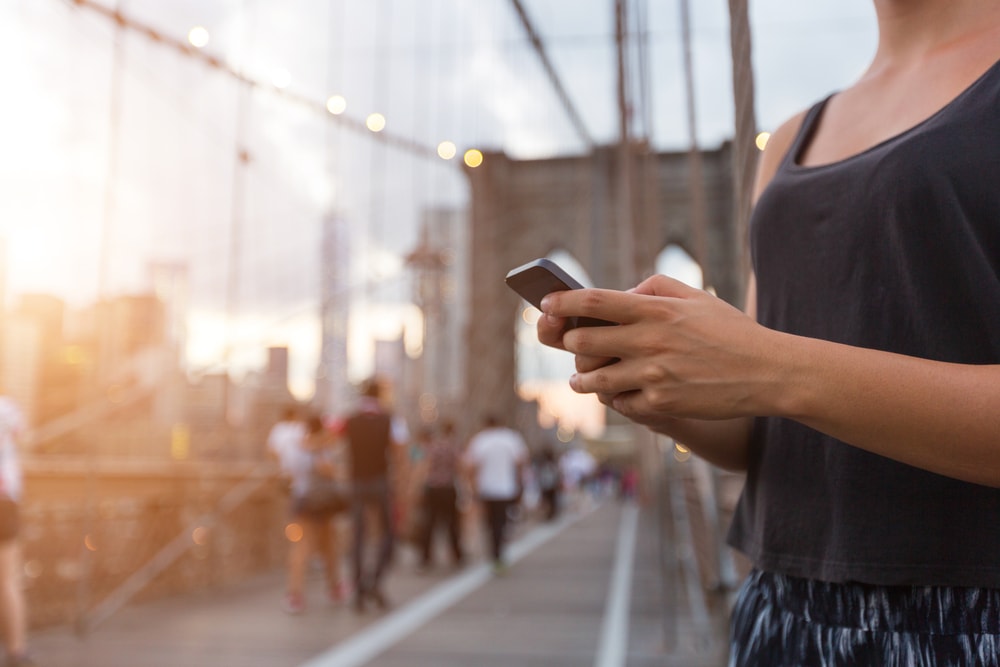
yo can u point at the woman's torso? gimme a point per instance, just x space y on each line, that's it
895 248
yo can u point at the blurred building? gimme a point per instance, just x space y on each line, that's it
442 285
268 395
20 360
392 368
332 389
40 370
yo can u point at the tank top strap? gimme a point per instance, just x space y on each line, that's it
805 133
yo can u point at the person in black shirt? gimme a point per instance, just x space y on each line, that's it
373 436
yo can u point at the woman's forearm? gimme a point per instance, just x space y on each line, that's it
942 417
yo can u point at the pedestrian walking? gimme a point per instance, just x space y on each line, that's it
495 459
311 466
549 483
376 442
443 456
283 442
859 391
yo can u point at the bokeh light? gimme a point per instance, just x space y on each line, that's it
293 532
199 535
281 78
375 122
336 104
473 157
198 37
447 150
762 139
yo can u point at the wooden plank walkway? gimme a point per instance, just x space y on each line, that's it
586 590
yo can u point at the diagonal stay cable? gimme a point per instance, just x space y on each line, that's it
539 46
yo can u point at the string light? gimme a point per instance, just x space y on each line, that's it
473 158
375 122
198 37
336 104
281 78
447 150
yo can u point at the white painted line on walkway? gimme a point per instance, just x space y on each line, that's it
381 635
612 647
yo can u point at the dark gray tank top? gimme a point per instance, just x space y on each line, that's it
896 249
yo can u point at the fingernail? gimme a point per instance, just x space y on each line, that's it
544 304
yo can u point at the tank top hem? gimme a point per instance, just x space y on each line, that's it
883 574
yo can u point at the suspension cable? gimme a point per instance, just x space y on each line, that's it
539 46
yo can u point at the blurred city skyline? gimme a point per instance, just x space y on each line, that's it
176 161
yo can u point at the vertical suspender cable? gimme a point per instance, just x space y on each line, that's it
744 150
240 162
104 351
331 380
745 166
649 180
696 184
623 203
373 227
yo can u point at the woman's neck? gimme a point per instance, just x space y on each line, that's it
912 30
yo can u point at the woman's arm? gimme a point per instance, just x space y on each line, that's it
686 355
938 416
694 368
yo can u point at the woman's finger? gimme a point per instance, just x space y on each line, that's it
585 364
601 304
550 330
612 379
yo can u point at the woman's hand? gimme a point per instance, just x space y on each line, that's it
678 352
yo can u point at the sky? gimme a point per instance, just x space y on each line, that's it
92 191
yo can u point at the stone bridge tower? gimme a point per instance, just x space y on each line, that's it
521 210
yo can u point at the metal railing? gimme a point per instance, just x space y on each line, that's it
155 529
693 506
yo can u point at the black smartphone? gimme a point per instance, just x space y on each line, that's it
541 276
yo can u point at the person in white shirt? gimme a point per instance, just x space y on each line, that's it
495 460
285 438
302 450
